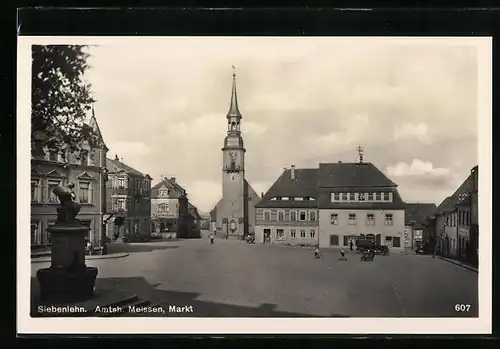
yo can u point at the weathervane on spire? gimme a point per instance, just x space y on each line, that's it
234 71
360 153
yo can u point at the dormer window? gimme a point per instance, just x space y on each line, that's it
285 198
273 199
298 198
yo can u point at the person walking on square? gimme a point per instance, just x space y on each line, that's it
350 244
342 255
317 253
212 238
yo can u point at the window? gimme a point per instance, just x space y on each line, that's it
53 199
121 183
84 155
352 218
35 228
312 233
361 197
84 192
370 218
334 218
352 197
312 216
371 196
121 204
378 196
302 215
345 197
302 233
281 216
267 216
388 238
335 197
388 219
293 216
334 240
467 218
386 197
90 160
280 234
287 215
293 233
35 190
285 198
298 198
396 241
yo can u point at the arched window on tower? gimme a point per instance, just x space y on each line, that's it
233 126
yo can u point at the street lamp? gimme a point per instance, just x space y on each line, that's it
412 226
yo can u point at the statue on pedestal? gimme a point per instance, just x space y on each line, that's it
68 209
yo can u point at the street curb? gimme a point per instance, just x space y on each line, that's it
109 256
458 264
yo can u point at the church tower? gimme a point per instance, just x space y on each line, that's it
233 172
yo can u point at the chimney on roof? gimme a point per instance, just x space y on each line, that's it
172 179
292 171
116 157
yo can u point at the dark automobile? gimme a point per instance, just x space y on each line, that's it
363 245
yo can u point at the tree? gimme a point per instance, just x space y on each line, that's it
61 100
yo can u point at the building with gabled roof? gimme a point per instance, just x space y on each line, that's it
128 201
454 219
357 201
417 217
288 212
86 170
331 206
234 214
170 209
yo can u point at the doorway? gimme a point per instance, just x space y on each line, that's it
267 235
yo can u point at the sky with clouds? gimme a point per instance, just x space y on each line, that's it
162 105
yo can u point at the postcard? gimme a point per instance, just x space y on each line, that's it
254 185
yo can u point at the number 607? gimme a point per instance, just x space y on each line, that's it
462 307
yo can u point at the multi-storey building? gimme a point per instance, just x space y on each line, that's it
357 201
288 212
454 222
128 200
87 171
169 208
416 223
194 222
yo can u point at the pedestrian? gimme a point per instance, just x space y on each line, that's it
212 238
317 253
342 254
89 246
350 244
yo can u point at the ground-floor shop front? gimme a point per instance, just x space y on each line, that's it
348 240
40 237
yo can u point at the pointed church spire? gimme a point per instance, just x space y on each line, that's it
233 109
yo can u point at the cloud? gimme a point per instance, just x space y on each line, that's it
162 105
416 168
405 131
129 148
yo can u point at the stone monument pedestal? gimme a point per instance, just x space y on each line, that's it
68 279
